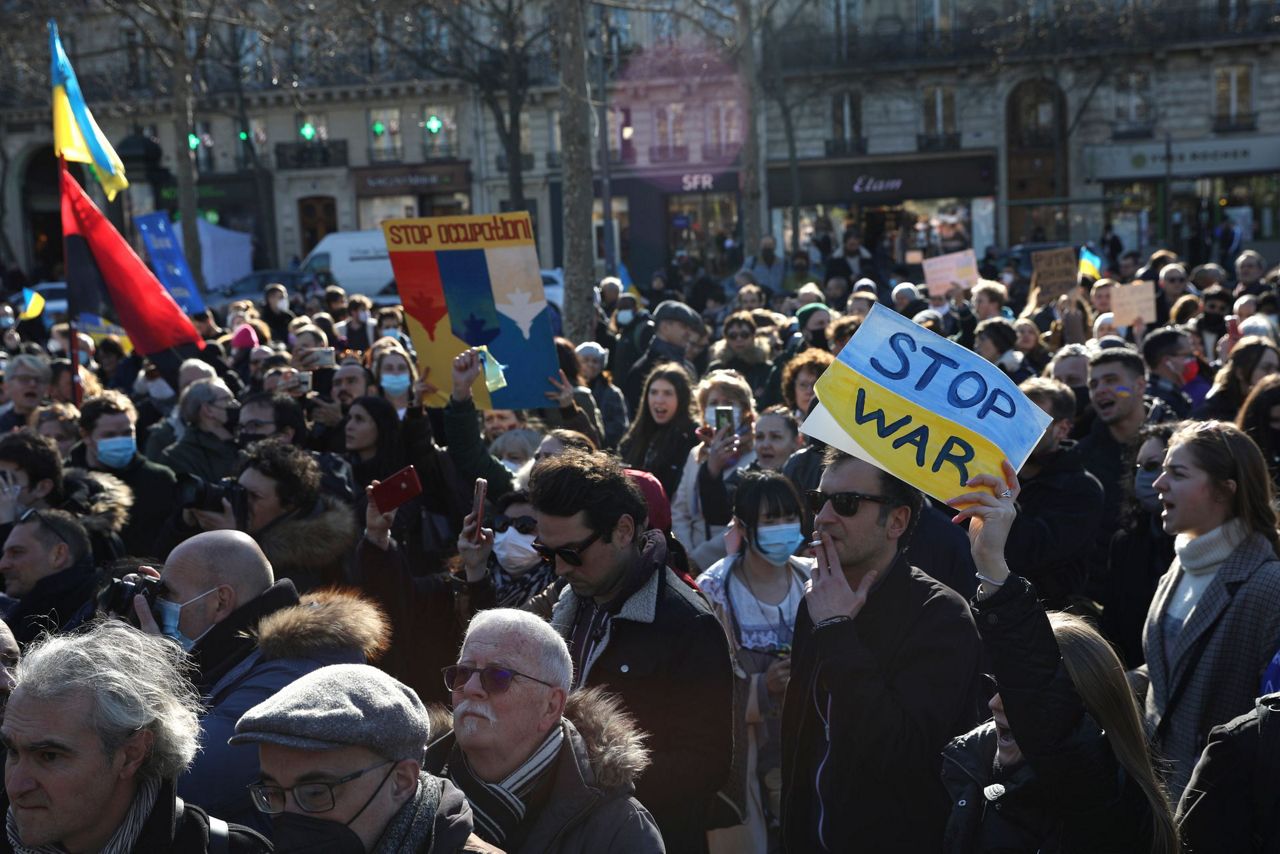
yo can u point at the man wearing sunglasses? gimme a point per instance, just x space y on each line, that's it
636 630
884 672
544 771
341 752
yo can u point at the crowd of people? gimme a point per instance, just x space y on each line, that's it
668 620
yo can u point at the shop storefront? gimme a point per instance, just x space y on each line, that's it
1211 191
907 208
418 190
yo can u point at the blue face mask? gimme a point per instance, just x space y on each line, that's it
776 543
395 384
117 452
170 613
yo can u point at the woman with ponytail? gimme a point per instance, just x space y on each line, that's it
1064 764
1214 623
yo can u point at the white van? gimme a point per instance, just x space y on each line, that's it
356 260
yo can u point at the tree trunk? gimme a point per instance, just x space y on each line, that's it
749 215
793 163
183 126
575 169
6 248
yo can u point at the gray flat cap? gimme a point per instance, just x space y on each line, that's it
342 705
677 311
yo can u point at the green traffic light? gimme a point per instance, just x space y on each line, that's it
307 131
193 141
434 125
244 136
379 128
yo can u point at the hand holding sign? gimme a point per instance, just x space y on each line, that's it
990 511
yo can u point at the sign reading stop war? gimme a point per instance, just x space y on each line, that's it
941 272
1056 272
473 281
922 408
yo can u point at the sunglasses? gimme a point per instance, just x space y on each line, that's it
571 555
1151 465
494 680
522 524
844 503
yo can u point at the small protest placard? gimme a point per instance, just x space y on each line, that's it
941 272
922 407
1131 302
1056 271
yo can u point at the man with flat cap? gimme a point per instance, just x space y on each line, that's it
674 324
341 752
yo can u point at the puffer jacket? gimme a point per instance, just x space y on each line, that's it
328 627
311 548
1070 794
589 807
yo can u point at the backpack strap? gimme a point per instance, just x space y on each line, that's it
219 831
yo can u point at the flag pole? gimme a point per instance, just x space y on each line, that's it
77 388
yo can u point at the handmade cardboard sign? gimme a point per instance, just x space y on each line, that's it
1131 302
922 407
1056 272
959 268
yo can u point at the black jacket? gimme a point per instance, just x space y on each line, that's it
894 686
1053 538
154 495
659 352
665 454
1070 795
1231 804
55 603
168 832
665 655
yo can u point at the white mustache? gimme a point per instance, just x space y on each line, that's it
478 708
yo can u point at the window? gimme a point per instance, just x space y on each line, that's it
553 130
621 132
138 59
724 125
846 116
526 134
847 19
669 126
384 135
203 145
619 23
935 16
1233 86
939 110
1133 93
439 130
664 27
313 127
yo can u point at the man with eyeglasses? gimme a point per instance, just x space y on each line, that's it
884 671
1171 287
340 752
545 771
26 380
48 573
635 629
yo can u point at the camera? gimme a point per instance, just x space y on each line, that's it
116 598
196 493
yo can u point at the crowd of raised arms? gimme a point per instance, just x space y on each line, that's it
652 615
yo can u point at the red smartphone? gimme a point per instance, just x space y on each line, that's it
1233 327
477 506
397 489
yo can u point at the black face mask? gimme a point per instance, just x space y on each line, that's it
1215 323
296 832
233 418
817 338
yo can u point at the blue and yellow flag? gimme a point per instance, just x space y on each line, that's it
1090 264
76 136
32 305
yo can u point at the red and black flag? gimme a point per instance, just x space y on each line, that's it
105 277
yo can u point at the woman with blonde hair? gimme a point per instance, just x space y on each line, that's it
1214 622
1064 763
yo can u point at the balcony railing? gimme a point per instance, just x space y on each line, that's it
938 141
720 152
1133 130
1237 123
330 154
668 154
387 154
526 162
846 147
625 156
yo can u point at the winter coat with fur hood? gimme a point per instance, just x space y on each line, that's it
283 643
587 803
311 547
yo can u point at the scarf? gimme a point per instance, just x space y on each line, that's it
410 828
513 591
121 842
499 808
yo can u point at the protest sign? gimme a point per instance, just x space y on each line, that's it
1130 303
960 268
473 281
923 408
168 261
1056 271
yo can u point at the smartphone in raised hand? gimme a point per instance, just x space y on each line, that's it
400 487
477 506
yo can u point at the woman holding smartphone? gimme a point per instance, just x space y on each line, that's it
1064 764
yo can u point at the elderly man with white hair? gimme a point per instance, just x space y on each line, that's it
211 415
543 769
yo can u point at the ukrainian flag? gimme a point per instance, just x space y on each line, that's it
1090 264
76 136
32 304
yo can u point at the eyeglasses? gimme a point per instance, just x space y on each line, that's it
310 797
1150 465
844 503
522 524
494 680
571 555
738 336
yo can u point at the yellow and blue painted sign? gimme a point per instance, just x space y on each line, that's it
923 408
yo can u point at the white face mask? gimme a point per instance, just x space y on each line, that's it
514 550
